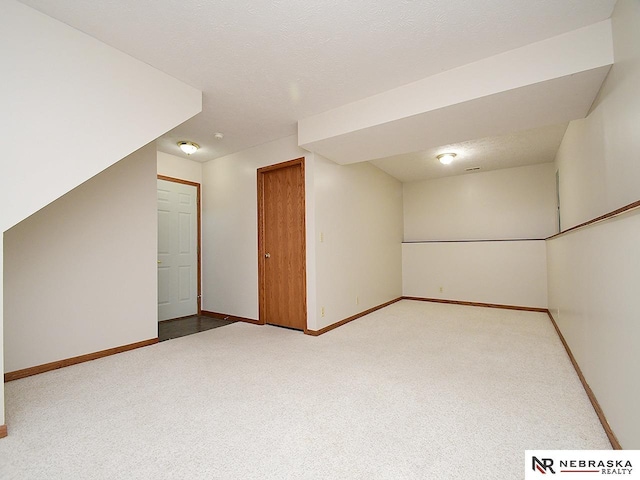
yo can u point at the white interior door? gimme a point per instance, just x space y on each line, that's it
177 250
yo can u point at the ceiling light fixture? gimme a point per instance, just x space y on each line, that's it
446 158
188 147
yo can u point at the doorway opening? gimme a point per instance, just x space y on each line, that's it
179 249
180 327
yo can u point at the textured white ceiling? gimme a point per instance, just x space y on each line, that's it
263 65
529 147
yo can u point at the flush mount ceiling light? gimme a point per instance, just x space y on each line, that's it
446 158
188 147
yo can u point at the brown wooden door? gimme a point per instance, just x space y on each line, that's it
281 245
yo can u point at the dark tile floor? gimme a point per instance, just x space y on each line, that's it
180 327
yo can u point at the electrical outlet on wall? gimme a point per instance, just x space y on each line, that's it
357 300
322 311
441 289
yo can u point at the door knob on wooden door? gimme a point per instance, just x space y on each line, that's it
267 255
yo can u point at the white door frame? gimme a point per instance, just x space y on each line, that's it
198 234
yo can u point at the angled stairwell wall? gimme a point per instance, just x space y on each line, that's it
71 107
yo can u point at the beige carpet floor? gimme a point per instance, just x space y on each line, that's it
414 391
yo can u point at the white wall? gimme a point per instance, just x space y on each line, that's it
594 276
513 203
178 167
598 158
64 86
505 273
358 221
357 208
443 214
594 273
230 227
80 274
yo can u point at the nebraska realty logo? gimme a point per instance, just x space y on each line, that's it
585 464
